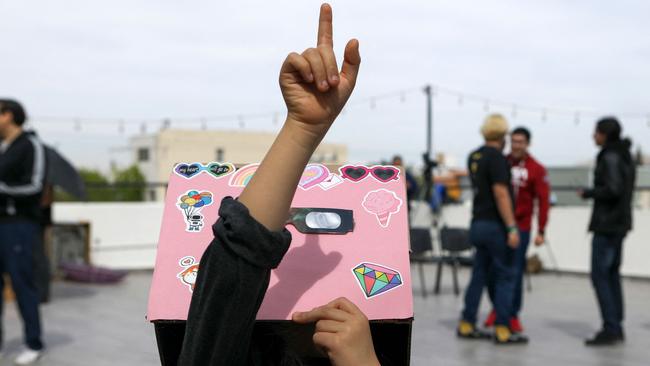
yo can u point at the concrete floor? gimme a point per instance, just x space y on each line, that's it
105 325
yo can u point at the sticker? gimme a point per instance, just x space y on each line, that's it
313 175
383 204
243 176
187 171
191 205
189 272
354 173
382 173
375 279
219 170
385 174
330 182
215 169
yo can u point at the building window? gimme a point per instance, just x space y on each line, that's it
143 154
220 155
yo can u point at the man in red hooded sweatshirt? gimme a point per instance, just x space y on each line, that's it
530 184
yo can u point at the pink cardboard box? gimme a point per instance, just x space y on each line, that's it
369 265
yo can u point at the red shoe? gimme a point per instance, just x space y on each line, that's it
515 325
489 322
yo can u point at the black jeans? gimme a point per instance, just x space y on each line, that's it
606 278
17 242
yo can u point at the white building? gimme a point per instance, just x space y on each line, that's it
156 154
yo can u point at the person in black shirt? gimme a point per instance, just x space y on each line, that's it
493 233
250 236
22 174
611 219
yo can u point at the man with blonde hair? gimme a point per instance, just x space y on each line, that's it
493 233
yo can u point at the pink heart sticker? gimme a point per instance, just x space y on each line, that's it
313 175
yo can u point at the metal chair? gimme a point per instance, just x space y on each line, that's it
453 242
421 252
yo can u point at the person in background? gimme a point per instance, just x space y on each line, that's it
611 219
411 183
493 233
22 174
530 184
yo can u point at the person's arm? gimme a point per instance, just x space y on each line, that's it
613 187
498 171
504 204
250 238
542 191
32 156
314 92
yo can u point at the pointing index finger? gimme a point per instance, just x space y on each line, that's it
325 26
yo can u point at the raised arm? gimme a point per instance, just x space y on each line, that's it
315 92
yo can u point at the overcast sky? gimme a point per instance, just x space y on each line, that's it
156 59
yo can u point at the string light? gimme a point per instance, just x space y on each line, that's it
544 117
143 128
576 118
77 124
460 100
486 106
373 103
120 128
204 124
242 123
514 111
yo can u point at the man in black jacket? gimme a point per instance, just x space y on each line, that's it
611 219
22 173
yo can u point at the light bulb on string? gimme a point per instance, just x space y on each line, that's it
373 103
514 111
204 123
544 115
461 100
576 118
77 124
166 123
486 106
242 123
120 128
402 97
143 128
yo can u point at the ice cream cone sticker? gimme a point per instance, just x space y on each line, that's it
383 204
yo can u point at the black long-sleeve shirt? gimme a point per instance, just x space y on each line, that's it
233 276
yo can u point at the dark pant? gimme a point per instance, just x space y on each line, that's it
493 260
17 242
519 268
606 278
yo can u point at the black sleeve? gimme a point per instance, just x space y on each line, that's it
612 176
233 276
498 170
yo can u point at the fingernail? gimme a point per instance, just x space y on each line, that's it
310 77
324 84
334 78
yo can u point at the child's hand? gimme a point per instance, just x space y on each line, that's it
342 331
313 88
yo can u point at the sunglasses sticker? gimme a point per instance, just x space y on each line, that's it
357 173
215 169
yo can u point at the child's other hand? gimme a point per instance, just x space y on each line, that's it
342 331
313 88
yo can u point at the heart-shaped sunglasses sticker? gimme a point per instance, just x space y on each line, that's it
357 173
219 170
385 173
188 170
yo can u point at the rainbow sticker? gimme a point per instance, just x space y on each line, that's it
243 176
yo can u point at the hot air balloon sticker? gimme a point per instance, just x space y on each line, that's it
191 204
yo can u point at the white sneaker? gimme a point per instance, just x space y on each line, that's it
28 357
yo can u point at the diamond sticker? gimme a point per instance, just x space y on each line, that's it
375 279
